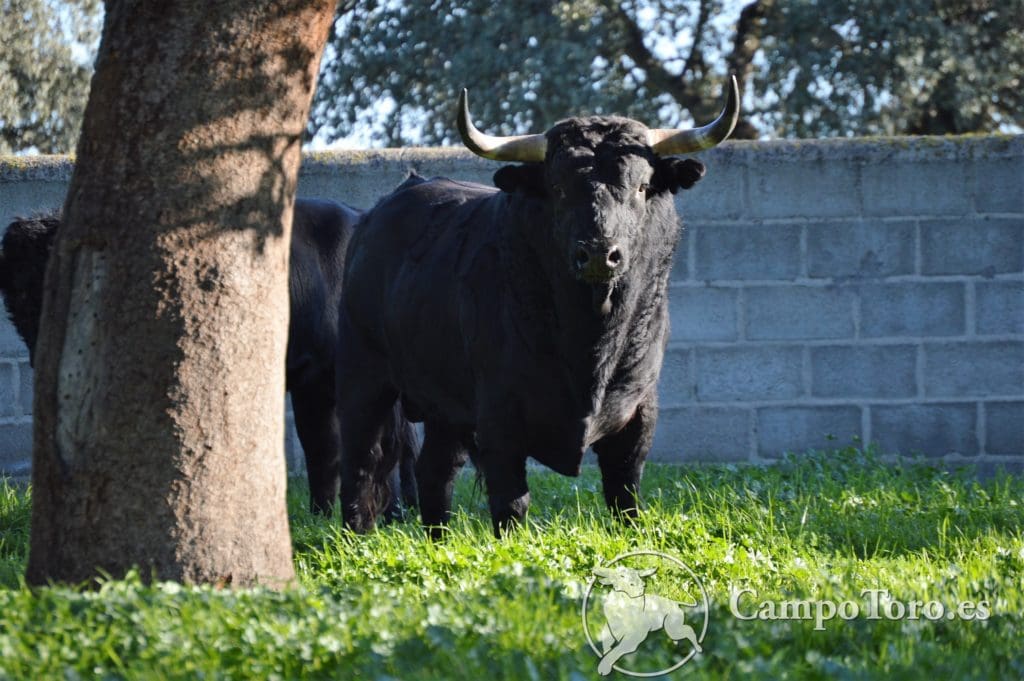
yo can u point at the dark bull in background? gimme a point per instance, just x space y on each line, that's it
527 320
320 234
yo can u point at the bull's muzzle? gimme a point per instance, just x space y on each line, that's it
598 263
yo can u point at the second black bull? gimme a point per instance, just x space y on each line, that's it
320 234
528 320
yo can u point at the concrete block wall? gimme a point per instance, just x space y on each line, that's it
851 291
824 293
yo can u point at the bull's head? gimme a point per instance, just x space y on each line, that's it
601 177
626 580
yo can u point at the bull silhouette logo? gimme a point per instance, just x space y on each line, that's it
644 605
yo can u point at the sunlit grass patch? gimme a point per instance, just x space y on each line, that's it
823 526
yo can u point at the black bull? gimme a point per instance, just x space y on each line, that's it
320 234
524 321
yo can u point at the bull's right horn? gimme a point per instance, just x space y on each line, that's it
668 142
519 148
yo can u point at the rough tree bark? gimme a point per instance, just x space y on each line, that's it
159 387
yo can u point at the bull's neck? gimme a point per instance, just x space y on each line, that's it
591 345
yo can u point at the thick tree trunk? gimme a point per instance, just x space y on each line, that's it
159 387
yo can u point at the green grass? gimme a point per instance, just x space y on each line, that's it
395 605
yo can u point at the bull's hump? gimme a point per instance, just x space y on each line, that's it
446 190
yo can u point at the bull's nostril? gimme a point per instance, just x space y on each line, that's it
615 257
582 257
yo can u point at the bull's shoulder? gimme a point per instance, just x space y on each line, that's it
319 216
322 226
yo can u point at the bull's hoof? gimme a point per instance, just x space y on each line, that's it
436 532
359 523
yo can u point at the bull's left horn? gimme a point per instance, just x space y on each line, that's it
521 148
666 142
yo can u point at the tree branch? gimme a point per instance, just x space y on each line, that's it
659 79
698 34
749 29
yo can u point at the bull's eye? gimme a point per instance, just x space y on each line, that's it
642 189
558 191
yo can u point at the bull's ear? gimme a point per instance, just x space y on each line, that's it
673 174
527 178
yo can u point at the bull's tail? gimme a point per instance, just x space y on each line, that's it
399 449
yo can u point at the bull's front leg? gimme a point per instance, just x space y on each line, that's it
440 460
507 493
621 457
629 643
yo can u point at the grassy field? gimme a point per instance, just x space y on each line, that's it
392 605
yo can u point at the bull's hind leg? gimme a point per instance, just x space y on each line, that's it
621 458
316 424
440 459
364 468
678 630
364 406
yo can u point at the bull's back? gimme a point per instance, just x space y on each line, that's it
405 285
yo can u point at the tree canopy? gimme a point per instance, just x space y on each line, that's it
879 67
814 68
393 68
45 66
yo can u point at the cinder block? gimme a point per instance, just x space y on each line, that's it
933 430
26 376
984 246
986 470
998 185
807 188
718 196
748 252
9 405
912 309
11 344
979 369
799 429
709 434
1004 428
21 199
703 313
860 249
880 371
914 187
798 312
999 306
15 449
680 266
749 372
675 386
362 179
